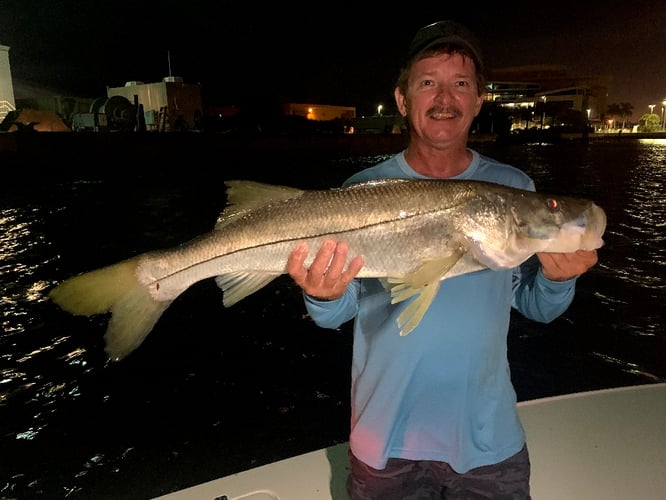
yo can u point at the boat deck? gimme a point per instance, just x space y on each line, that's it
600 445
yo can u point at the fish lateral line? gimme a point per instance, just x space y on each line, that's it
296 239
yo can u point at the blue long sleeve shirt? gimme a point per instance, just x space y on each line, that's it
444 391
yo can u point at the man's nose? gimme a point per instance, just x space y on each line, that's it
443 94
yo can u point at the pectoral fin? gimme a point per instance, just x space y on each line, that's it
424 282
237 286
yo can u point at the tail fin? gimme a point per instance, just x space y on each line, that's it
113 289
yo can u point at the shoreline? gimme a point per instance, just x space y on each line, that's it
53 156
345 144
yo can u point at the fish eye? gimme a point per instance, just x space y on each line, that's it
552 204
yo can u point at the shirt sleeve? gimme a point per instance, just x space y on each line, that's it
538 298
333 313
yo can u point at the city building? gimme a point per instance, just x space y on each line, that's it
545 95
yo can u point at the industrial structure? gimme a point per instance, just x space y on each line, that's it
169 105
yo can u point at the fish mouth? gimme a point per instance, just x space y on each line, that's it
592 224
583 232
595 229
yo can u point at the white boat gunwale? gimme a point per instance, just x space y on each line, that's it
606 444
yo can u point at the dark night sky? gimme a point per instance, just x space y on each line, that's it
330 53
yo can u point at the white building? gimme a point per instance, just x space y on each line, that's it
7 102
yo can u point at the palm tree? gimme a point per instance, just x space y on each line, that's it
623 110
650 122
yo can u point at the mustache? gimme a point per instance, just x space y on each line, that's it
450 110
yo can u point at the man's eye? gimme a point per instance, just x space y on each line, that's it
462 83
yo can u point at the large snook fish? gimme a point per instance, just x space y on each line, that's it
411 233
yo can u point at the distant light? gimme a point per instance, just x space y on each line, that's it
379 110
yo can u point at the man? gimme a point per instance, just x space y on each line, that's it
434 413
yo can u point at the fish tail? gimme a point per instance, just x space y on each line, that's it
132 319
96 291
113 289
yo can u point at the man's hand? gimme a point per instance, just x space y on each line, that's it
327 277
564 266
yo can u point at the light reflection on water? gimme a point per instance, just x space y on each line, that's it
617 317
195 392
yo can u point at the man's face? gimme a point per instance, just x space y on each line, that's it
442 98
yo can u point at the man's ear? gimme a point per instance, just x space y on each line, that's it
401 101
479 104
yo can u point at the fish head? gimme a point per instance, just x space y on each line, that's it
546 223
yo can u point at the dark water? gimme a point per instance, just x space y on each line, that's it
212 390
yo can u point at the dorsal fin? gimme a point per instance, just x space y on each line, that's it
245 196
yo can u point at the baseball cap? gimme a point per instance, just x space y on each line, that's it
446 32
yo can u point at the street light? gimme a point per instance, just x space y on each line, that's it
379 110
651 106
